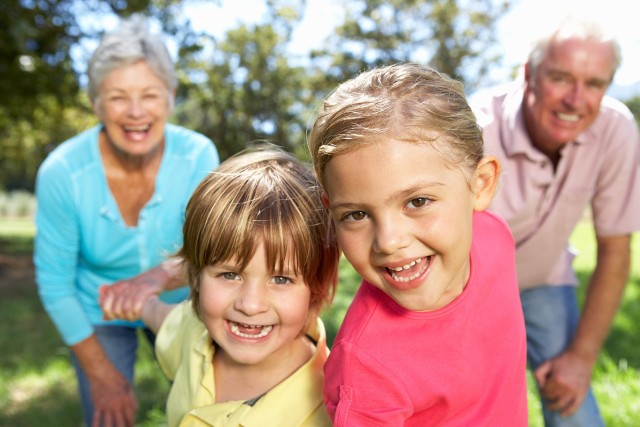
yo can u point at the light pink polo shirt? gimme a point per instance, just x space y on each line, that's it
601 168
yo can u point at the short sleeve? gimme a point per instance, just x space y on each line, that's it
170 339
360 391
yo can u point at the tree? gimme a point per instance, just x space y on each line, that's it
456 37
41 101
634 106
247 90
236 89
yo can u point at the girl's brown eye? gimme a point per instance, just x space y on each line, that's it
419 202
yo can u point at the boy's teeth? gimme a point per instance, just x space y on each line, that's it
264 330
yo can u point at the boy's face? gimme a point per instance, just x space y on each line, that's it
257 317
403 219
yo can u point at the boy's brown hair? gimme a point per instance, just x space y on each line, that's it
261 195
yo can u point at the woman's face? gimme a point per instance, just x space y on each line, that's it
133 104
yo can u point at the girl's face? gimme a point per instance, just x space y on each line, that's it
403 219
134 104
255 316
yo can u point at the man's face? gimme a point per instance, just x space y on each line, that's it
562 98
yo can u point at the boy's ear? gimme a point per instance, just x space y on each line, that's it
325 200
485 182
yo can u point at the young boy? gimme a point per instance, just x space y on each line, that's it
249 347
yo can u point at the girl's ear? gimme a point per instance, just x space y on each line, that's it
485 182
325 200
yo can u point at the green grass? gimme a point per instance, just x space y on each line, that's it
37 383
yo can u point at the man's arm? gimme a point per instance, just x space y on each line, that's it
565 379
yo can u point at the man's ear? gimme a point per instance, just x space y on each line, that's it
485 182
325 200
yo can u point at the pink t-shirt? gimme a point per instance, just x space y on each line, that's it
600 169
461 365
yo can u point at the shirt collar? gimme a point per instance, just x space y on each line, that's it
301 393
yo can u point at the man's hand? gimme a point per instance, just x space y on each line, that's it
564 382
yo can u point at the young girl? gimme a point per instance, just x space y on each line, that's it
249 347
435 335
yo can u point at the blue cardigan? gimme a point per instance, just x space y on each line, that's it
81 239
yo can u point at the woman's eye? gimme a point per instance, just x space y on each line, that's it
355 216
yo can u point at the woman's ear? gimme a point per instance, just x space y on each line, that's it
485 182
96 107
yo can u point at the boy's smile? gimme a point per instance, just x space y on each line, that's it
255 316
403 219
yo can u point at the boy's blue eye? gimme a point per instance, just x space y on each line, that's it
229 275
281 280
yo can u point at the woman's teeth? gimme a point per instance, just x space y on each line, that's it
250 331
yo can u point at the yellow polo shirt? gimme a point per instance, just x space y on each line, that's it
185 352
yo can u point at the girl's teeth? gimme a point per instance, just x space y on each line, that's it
264 330
405 279
406 267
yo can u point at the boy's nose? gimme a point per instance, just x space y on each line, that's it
251 299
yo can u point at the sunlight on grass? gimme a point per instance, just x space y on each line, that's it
20 227
32 394
27 389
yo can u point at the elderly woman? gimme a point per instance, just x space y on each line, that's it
111 204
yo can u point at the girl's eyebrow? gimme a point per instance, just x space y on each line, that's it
415 188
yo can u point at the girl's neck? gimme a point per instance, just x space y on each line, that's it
235 381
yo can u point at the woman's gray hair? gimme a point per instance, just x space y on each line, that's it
129 43
578 28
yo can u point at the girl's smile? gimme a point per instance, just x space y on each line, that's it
404 221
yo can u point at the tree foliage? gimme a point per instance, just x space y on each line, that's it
236 88
634 106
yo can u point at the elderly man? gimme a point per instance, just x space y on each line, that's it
565 146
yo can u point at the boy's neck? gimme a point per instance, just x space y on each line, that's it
235 381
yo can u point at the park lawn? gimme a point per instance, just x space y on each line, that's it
37 384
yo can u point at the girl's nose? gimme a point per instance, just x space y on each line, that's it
390 236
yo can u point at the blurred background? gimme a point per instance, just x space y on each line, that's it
249 70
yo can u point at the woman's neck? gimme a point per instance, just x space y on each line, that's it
127 162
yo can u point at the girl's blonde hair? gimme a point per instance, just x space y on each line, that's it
261 195
406 102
